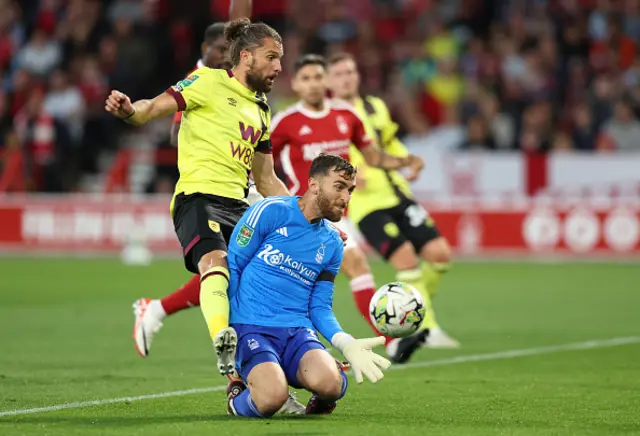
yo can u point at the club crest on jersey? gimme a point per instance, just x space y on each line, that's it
320 254
244 235
342 125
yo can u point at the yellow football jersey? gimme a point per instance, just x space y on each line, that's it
381 189
223 124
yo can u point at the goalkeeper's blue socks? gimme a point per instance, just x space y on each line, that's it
243 405
345 383
320 406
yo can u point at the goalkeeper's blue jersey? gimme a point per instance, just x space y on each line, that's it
282 268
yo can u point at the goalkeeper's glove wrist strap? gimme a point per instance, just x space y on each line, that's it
341 339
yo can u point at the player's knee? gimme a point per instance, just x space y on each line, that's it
327 383
212 259
404 257
437 251
270 399
354 263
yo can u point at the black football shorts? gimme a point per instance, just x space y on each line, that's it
204 223
387 229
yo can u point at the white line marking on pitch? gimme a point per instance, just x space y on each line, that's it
509 354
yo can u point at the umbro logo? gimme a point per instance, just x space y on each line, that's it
232 101
305 130
283 231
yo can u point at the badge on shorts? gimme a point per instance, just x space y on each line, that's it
244 235
391 229
214 226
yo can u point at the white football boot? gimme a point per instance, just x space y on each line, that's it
148 315
291 406
224 345
438 338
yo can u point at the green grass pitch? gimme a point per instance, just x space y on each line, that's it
65 337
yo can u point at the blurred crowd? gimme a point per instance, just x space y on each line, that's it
531 75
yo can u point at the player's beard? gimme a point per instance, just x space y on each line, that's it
256 81
328 209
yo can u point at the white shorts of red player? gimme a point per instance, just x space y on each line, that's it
253 196
349 228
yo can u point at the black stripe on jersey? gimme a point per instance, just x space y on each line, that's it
326 276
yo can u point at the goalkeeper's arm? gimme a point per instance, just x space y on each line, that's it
357 351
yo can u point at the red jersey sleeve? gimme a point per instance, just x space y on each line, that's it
359 136
177 118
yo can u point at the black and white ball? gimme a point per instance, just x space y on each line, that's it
397 310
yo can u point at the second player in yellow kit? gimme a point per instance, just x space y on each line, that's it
224 135
386 213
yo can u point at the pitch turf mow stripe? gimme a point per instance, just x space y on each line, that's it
509 354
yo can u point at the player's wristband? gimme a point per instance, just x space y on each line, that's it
130 115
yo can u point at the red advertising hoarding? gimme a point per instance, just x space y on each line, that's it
71 224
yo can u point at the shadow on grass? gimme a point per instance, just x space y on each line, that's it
140 421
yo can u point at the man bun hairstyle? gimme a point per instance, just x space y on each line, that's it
324 163
242 34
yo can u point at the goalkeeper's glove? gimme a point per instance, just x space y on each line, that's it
358 353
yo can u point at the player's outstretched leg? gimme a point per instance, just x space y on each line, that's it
266 394
437 257
356 268
406 262
149 313
318 373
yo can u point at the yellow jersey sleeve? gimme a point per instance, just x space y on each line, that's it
195 90
387 129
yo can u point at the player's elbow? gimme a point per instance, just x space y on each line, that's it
372 157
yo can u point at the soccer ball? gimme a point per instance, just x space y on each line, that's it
397 310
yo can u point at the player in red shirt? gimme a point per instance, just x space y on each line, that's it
319 125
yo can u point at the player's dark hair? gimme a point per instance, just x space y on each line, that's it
327 162
309 59
242 34
213 32
339 57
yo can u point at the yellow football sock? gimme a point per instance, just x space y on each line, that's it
432 273
214 302
415 278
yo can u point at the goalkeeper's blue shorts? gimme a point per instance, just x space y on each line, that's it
282 345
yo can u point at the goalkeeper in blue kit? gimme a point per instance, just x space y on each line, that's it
283 258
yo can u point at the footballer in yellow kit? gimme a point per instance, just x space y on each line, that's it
224 135
223 126
386 213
